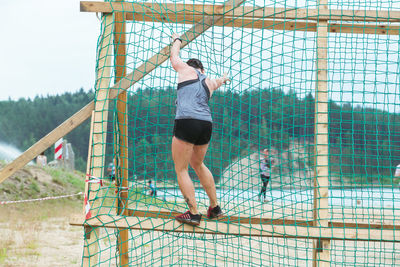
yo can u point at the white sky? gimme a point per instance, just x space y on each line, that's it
46 47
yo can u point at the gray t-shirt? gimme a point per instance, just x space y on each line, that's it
192 99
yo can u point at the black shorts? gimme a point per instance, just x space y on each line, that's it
264 178
197 132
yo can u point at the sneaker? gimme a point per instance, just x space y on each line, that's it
189 218
214 212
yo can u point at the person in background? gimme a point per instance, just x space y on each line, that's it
397 172
192 131
265 173
111 171
41 160
152 191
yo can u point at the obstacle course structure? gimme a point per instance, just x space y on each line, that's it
316 82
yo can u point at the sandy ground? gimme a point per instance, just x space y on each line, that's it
39 234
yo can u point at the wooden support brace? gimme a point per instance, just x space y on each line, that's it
240 229
64 128
166 214
121 137
189 10
268 24
97 144
321 251
190 14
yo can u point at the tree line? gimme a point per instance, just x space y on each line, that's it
363 141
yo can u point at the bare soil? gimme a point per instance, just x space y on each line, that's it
39 234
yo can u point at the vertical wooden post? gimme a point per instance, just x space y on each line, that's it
122 135
321 251
98 127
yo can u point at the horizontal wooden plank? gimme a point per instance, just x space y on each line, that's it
270 24
164 214
245 11
232 219
239 229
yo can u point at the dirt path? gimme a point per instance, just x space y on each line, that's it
39 234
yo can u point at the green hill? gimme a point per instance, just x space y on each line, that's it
33 182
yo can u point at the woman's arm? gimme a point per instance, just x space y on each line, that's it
185 72
176 61
214 84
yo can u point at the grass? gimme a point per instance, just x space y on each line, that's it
24 225
39 211
33 186
26 184
64 178
3 255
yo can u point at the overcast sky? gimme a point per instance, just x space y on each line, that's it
46 47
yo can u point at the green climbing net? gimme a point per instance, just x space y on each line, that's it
270 103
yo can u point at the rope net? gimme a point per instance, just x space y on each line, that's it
269 104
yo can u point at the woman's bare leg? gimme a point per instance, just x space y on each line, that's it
204 174
181 153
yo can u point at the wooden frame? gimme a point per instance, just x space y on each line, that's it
64 128
166 214
239 229
121 138
86 250
95 164
321 248
249 17
272 24
189 10
322 231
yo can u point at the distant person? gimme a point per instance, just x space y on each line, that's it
192 131
41 160
265 173
111 171
397 173
152 191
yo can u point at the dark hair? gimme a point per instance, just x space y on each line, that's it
195 63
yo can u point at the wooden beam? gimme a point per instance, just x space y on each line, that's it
164 214
231 219
238 229
99 134
88 167
89 161
121 137
364 29
47 141
189 10
321 248
270 24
